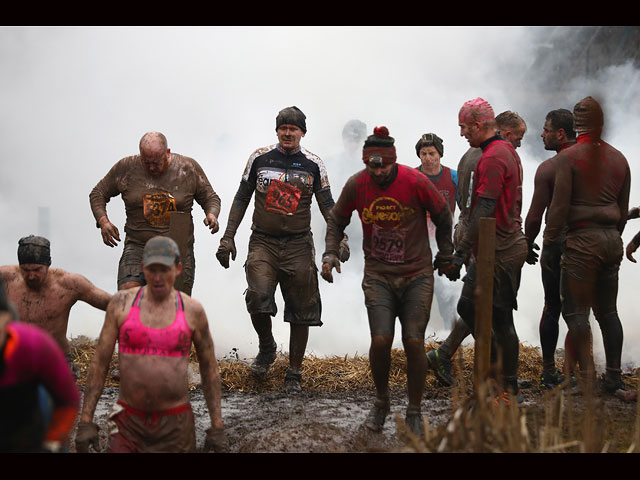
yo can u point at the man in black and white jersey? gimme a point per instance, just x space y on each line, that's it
285 176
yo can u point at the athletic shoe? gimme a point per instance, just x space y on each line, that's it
377 415
441 366
292 381
413 420
610 385
551 378
263 360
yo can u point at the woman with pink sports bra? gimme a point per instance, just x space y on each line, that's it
154 326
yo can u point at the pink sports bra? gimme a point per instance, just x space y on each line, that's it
138 339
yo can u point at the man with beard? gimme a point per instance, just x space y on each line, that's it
392 202
557 135
43 296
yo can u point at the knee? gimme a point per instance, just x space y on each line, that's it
466 310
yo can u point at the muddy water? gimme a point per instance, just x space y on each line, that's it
297 423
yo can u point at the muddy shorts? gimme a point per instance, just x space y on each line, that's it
130 267
290 262
506 276
135 431
592 259
406 298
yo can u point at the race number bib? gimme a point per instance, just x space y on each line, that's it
388 245
158 208
282 198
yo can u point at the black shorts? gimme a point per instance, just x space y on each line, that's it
288 261
406 298
506 277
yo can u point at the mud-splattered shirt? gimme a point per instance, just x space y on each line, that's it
284 184
498 176
591 189
394 221
149 201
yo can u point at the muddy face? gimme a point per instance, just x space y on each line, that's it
289 136
34 275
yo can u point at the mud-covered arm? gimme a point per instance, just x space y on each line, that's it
486 207
443 220
560 203
539 203
238 208
99 366
623 201
88 292
205 196
325 202
209 371
104 190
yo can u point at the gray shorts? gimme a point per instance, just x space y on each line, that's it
288 261
406 298
130 266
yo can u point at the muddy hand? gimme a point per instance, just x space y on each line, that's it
110 233
211 221
87 435
227 246
216 441
532 256
631 247
329 262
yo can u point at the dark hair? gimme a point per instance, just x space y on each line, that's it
562 118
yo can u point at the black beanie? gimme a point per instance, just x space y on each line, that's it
35 250
292 116
430 140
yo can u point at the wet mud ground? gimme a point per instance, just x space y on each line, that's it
305 422
312 422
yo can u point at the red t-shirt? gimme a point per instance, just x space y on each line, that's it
394 220
498 176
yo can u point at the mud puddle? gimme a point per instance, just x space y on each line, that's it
295 423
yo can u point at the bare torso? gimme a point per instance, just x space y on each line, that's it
49 306
153 382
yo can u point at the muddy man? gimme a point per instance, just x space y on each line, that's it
43 296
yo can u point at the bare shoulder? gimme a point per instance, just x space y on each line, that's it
9 272
191 305
121 301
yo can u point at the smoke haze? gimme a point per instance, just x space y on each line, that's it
77 99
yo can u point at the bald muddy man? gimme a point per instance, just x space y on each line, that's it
591 201
43 296
510 127
285 177
557 135
154 184
496 193
155 326
392 202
